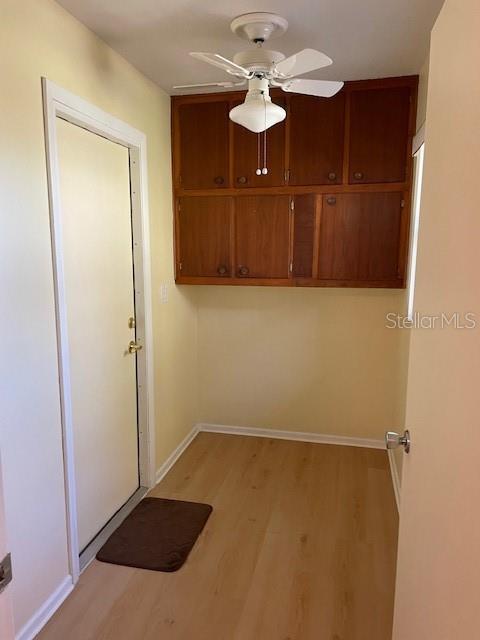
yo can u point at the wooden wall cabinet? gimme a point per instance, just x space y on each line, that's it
203 145
317 129
262 236
204 236
360 237
379 124
305 235
334 208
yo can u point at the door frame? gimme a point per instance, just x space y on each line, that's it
58 102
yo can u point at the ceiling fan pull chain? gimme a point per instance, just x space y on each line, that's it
265 170
258 171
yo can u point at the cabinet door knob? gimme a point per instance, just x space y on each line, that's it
222 270
219 180
242 180
358 175
332 176
331 200
243 271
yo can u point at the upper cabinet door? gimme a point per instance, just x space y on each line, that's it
316 139
203 145
262 240
379 124
360 236
250 154
203 236
305 235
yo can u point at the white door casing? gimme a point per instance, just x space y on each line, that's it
58 102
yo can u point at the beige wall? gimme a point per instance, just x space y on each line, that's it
38 38
316 360
437 595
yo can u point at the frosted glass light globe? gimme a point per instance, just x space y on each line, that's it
258 112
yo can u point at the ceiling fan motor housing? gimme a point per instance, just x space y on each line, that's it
258 59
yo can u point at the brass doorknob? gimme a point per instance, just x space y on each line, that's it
133 347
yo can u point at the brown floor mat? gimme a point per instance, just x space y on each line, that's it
158 534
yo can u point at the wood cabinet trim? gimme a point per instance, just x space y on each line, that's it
291 190
292 282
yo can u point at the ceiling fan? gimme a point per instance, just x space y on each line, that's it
262 69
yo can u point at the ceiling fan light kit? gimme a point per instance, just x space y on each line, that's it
258 113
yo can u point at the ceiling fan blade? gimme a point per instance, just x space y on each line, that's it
321 88
302 62
223 63
228 84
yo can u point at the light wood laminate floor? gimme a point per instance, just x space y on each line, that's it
301 545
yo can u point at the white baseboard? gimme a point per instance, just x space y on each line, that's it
395 476
292 435
46 611
164 468
279 434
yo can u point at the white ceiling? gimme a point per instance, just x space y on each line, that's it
365 38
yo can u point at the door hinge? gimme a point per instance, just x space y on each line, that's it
290 267
180 266
402 203
5 572
287 176
292 204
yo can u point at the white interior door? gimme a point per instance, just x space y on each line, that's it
438 576
99 290
6 616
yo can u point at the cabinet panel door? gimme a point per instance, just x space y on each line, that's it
262 236
316 139
360 236
379 121
246 148
304 235
203 130
204 226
